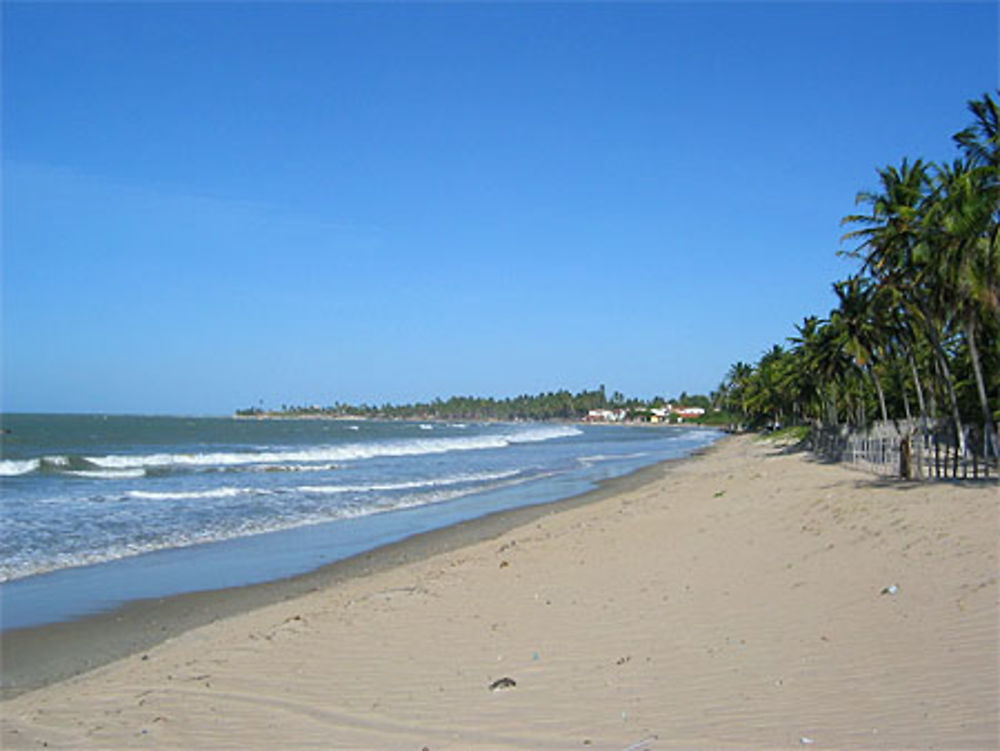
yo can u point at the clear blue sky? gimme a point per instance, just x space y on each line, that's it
205 205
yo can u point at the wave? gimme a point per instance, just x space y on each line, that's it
187 495
232 492
411 485
76 466
185 501
339 453
15 467
107 474
291 468
597 458
18 567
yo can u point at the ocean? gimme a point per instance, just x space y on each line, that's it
99 510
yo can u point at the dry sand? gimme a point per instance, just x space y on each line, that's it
734 602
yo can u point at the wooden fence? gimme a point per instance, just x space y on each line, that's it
920 450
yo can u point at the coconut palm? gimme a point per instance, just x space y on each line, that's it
894 224
902 249
862 329
980 142
962 228
922 313
810 378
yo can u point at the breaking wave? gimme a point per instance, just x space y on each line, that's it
340 453
435 491
15 467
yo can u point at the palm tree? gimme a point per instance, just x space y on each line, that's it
810 379
963 222
924 307
901 250
735 388
980 143
903 344
894 224
861 330
766 396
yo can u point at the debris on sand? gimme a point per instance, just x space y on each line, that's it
502 683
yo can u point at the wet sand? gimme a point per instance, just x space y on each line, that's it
40 655
744 598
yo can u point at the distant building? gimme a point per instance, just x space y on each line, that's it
605 415
688 413
658 415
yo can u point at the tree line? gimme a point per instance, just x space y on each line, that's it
916 330
552 405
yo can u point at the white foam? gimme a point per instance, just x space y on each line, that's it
586 460
287 506
544 433
123 461
108 474
341 453
14 467
19 568
178 495
437 482
295 467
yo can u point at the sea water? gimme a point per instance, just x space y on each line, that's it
98 510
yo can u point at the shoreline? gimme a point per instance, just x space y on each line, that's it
747 597
37 656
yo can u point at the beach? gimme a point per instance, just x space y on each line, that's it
748 597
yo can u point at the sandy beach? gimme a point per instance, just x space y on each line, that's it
745 598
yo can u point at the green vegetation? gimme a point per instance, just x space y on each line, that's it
916 332
553 405
791 434
717 417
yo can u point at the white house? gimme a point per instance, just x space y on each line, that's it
605 415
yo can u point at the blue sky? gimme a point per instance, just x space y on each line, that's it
206 205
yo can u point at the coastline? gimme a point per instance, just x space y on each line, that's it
447 420
37 656
748 597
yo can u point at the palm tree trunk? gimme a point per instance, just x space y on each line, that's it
989 430
830 404
941 360
932 392
949 383
918 386
880 392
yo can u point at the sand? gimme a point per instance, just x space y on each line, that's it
747 598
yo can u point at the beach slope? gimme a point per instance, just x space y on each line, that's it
745 598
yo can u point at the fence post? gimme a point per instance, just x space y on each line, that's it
904 458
